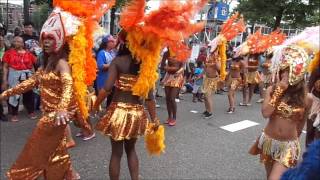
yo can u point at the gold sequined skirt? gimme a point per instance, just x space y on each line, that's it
123 121
173 80
235 83
254 77
266 78
210 84
286 153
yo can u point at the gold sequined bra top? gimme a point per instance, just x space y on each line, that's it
126 82
235 67
253 63
287 111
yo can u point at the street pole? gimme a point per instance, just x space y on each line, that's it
7 14
26 4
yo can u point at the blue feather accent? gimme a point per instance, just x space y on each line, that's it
309 168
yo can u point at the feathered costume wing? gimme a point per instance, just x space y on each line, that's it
82 63
147 34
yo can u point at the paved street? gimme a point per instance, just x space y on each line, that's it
197 148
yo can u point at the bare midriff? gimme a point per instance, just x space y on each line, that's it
284 128
235 70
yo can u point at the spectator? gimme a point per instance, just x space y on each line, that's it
2 50
18 66
30 40
202 54
198 81
105 55
17 31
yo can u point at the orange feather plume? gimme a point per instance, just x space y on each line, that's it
147 34
276 38
232 27
257 42
90 11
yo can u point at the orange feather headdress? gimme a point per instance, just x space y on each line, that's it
76 20
258 43
229 30
148 33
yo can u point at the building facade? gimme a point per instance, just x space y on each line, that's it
13 17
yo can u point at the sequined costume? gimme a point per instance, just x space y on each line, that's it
266 76
123 120
235 83
253 77
210 85
286 153
45 152
173 80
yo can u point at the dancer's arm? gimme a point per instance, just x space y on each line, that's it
273 97
151 106
67 84
24 86
104 92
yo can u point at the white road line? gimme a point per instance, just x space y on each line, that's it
194 111
239 125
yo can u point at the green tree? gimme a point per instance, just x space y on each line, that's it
40 16
296 13
118 6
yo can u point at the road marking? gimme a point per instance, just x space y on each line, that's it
194 111
239 125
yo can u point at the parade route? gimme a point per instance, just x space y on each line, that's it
197 148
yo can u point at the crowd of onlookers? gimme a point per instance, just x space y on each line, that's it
19 52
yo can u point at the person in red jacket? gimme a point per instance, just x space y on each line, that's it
18 65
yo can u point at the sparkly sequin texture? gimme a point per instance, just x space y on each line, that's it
173 80
123 121
126 82
286 153
210 85
45 152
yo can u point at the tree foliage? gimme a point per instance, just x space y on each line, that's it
40 16
296 13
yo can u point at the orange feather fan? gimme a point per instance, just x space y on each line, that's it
147 34
232 27
276 38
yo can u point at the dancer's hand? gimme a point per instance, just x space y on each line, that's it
156 124
4 85
2 97
284 82
62 118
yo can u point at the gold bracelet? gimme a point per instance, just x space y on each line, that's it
277 94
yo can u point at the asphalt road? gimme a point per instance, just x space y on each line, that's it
197 148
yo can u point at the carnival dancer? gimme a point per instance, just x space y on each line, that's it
286 106
255 45
134 71
218 59
45 153
309 40
211 79
173 82
237 78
